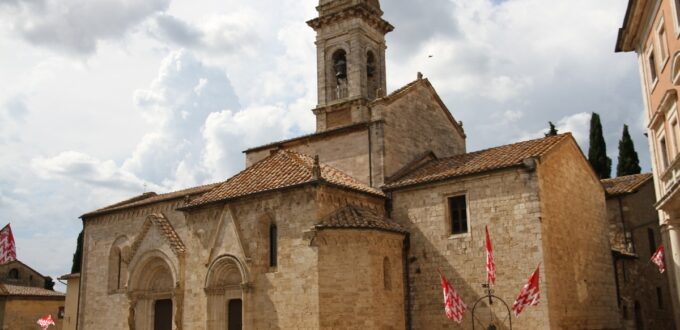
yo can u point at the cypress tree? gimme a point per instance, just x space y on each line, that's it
597 153
78 256
553 130
628 157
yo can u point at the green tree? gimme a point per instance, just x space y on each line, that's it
78 256
628 157
552 131
597 153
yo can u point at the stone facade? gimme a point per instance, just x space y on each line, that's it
346 228
643 293
24 299
23 313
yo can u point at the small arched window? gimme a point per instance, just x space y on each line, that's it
338 82
117 266
372 75
387 276
273 245
13 274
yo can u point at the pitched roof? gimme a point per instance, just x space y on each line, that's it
17 290
314 136
355 217
505 156
150 198
282 169
21 264
625 184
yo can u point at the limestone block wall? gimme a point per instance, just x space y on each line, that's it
638 278
98 303
360 279
578 263
22 313
414 124
27 277
347 152
506 201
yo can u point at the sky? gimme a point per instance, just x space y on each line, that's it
101 100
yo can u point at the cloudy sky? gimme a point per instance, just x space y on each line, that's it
104 99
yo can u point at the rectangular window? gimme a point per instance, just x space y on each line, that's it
652 241
675 133
659 297
662 41
458 214
663 152
651 63
676 14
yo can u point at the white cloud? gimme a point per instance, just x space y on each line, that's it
248 76
78 25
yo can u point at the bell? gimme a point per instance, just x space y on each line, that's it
340 69
370 69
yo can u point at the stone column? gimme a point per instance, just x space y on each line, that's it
670 231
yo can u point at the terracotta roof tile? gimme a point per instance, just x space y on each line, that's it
625 184
16 290
355 217
477 162
282 169
150 198
166 229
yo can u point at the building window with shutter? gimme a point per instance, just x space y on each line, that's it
458 214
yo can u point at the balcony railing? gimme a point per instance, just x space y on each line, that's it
340 92
671 176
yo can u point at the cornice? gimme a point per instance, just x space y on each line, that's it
371 15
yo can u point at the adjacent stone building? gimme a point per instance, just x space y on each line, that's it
651 28
643 293
25 297
346 228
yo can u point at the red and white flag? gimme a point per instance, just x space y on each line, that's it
45 322
530 294
453 304
8 250
657 258
490 264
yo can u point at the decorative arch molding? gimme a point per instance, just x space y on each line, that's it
223 269
227 281
165 227
675 69
153 278
146 267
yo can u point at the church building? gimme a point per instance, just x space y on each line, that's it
346 228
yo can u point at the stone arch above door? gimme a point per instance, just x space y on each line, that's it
153 278
227 280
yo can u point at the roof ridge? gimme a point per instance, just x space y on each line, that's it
560 136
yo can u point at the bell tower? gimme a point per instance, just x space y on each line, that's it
350 44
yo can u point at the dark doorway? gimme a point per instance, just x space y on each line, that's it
235 310
162 317
638 317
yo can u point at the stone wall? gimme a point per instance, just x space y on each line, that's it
347 152
506 201
416 123
23 313
638 279
282 297
578 269
355 290
27 276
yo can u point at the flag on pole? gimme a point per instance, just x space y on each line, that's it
490 264
657 258
8 250
453 304
45 322
530 294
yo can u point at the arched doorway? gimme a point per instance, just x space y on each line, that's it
225 294
152 295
